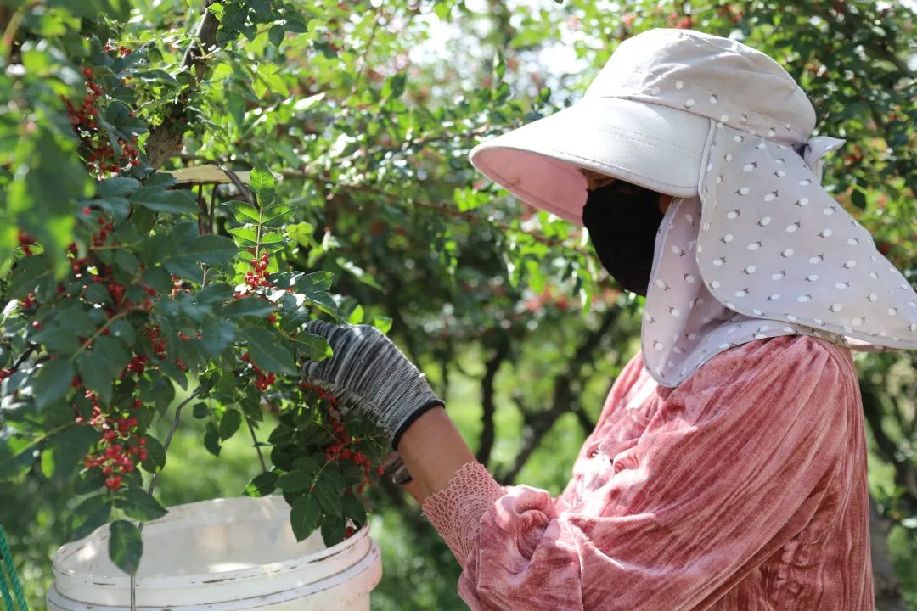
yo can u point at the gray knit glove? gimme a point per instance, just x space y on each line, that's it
367 372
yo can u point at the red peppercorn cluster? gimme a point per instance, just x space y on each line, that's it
26 242
159 344
28 302
5 372
345 446
98 151
263 380
105 228
120 447
258 277
122 50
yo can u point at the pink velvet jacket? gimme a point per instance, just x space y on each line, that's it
744 488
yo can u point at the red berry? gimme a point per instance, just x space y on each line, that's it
113 482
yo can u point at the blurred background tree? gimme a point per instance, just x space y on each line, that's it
366 112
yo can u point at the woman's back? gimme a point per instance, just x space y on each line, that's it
769 440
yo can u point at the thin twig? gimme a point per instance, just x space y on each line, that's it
369 44
251 430
155 479
175 421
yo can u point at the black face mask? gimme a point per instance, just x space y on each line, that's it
622 220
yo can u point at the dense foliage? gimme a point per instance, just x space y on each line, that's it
186 183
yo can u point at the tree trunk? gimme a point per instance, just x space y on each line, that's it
888 590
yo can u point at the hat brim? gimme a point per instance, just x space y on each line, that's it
651 145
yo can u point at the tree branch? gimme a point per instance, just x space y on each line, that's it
488 406
166 138
542 421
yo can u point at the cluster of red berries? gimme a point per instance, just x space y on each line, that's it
344 446
28 302
5 372
120 446
159 344
122 50
26 242
98 150
263 380
258 277
116 290
105 228
179 286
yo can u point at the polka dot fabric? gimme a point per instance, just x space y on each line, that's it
766 251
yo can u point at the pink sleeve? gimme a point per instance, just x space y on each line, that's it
728 470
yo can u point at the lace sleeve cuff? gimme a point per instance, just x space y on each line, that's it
455 512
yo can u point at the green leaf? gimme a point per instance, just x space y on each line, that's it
97 515
141 505
125 546
161 200
208 249
126 260
158 278
353 509
356 316
29 273
229 423
200 410
328 490
314 347
262 484
89 481
334 528
275 35
52 381
383 323
858 198
124 331
99 366
295 481
301 233
117 186
12 467
315 281
217 334
217 9
261 180
248 234
305 515
267 350
212 439
155 454
248 306
69 447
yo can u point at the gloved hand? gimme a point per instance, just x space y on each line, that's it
367 372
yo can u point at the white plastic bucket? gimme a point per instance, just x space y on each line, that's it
235 553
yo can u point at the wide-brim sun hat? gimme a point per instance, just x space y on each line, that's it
752 246
644 119
650 145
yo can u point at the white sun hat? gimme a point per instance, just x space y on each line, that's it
752 246
645 119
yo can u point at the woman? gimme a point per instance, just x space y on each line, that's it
728 467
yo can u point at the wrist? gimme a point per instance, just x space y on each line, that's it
413 417
433 450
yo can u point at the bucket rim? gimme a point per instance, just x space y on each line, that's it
357 542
